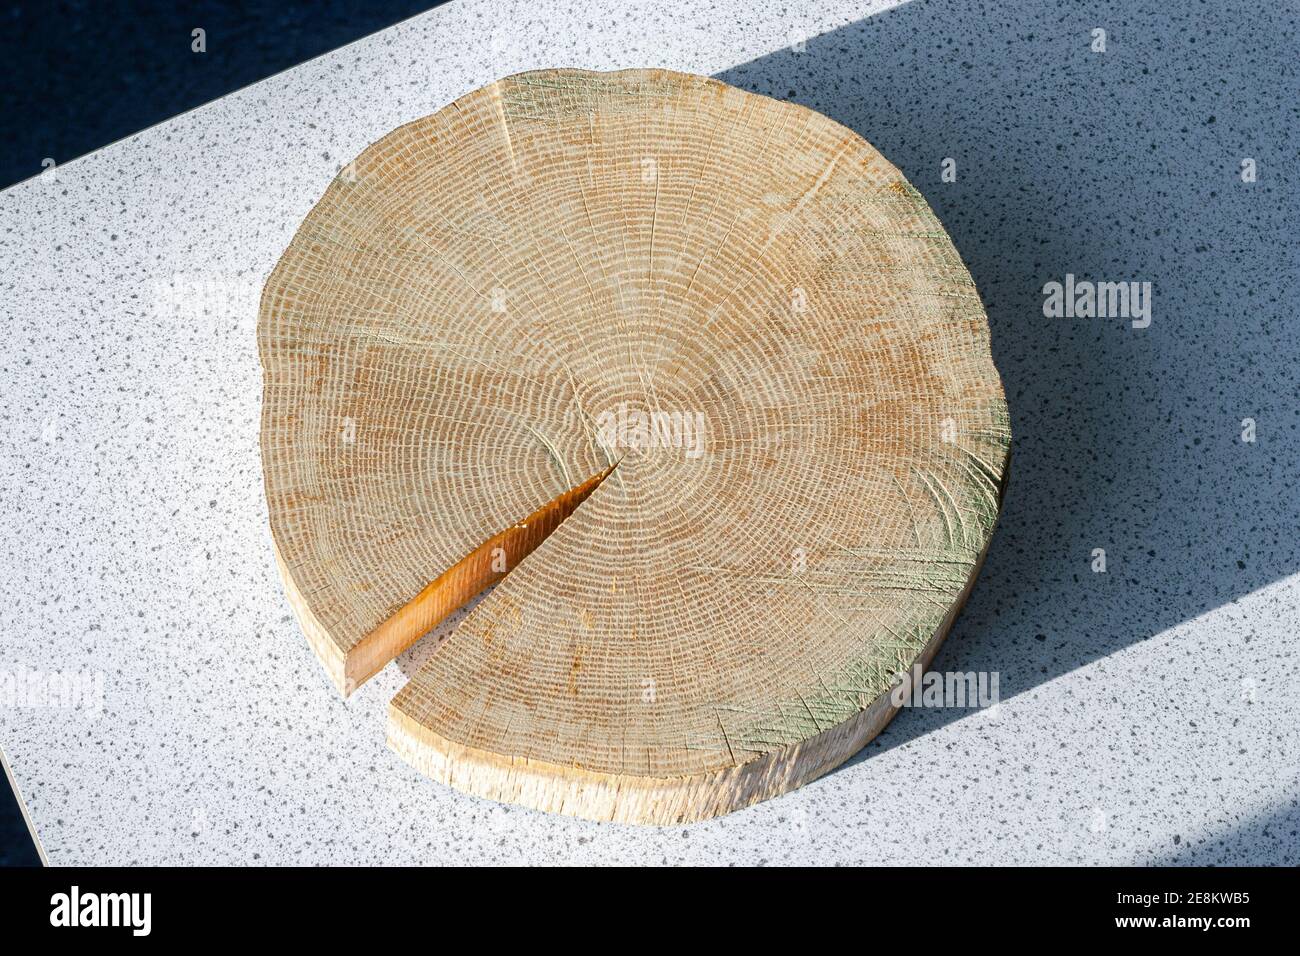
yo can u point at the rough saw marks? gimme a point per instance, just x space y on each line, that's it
525 288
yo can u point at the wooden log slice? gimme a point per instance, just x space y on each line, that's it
695 374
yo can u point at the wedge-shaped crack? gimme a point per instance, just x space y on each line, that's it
486 564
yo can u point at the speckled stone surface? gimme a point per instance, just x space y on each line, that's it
1147 712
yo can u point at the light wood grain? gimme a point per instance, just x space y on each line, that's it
688 620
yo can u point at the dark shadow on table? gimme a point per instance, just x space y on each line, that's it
1270 839
1122 165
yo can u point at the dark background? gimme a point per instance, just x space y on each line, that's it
81 74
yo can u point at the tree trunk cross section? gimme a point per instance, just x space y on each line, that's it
694 376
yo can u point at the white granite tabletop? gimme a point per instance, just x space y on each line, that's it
159 704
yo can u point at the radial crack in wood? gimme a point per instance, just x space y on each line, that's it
739 301
485 565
